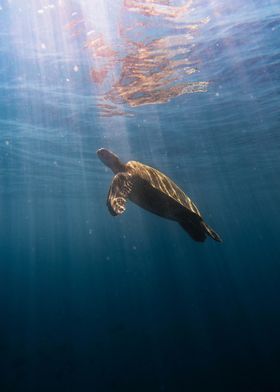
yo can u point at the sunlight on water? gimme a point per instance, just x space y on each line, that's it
145 71
130 62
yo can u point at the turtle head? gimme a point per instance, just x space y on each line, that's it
111 160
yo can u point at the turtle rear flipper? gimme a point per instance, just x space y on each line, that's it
194 228
212 233
198 229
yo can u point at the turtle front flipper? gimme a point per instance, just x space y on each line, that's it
118 193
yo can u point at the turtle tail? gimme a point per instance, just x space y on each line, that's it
211 232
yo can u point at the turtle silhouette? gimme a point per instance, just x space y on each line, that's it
154 191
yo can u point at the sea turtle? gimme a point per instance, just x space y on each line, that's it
155 192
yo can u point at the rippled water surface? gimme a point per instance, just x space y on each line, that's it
95 303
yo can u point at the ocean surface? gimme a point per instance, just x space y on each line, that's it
95 303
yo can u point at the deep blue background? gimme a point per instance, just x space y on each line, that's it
94 303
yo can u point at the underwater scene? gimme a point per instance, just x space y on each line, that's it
139 195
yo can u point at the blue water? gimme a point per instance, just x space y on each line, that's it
89 302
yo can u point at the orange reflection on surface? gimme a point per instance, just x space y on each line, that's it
163 96
76 27
157 8
125 29
154 91
73 24
163 2
98 75
191 26
145 70
99 47
148 73
108 110
104 57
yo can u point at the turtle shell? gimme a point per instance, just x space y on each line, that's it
162 184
